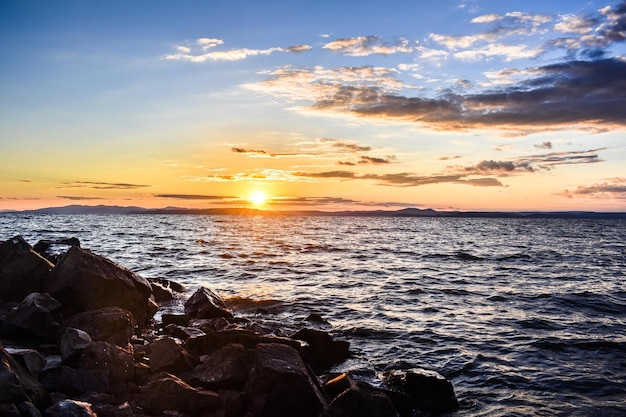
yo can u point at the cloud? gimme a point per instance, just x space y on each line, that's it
403 179
447 158
103 185
347 146
248 151
328 201
575 94
612 188
78 198
544 145
499 168
370 160
202 50
552 159
194 196
299 48
369 45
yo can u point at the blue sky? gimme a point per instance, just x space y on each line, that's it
485 105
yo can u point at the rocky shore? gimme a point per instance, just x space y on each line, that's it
78 337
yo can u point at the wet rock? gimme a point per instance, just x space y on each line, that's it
280 385
110 324
168 392
36 314
227 368
212 341
182 332
177 319
166 283
167 355
161 293
53 250
428 390
73 341
22 270
322 351
205 304
85 281
71 408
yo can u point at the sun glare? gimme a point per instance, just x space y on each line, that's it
257 198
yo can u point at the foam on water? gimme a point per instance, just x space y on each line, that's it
526 317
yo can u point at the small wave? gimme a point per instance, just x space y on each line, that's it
539 324
247 304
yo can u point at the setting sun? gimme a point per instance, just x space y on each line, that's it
258 197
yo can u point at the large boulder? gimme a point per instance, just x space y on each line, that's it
167 355
103 356
428 390
22 270
38 315
280 384
205 304
85 281
71 408
321 351
110 324
167 392
225 369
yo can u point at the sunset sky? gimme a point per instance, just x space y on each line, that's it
331 105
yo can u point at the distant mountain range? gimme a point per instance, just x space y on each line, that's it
407 212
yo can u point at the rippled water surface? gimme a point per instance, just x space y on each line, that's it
525 317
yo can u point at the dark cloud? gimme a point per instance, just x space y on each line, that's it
370 160
103 185
552 159
253 151
614 188
447 158
299 48
404 179
24 181
544 145
193 196
591 93
499 168
321 201
347 146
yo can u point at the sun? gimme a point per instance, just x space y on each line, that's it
258 198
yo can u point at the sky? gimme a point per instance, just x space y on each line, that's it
329 105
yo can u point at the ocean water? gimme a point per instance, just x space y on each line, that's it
524 316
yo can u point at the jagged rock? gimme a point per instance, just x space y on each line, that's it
280 385
205 304
72 341
115 361
36 315
177 319
50 249
22 270
30 359
428 390
351 398
110 324
212 341
74 382
71 408
168 392
28 409
17 383
166 355
85 281
161 293
166 283
182 332
322 351
226 368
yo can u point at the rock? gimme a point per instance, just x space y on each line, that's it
166 283
28 409
322 351
30 359
74 382
357 399
168 392
428 390
280 385
178 319
85 281
227 368
50 249
161 293
212 341
72 341
182 332
110 324
22 270
316 318
17 383
166 355
115 361
36 315
205 304
9 410
71 408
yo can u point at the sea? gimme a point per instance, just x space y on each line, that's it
526 317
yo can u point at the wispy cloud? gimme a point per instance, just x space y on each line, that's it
194 197
103 185
202 50
370 45
370 160
614 188
78 198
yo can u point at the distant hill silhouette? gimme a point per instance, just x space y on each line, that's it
243 211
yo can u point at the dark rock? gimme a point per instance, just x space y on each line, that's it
316 318
232 402
182 332
205 304
166 283
177 319
30 359
428 390
161 293
53 250
115 361
28 409
168 392
74 382
85 281
210 325
280 385
71 408
36 315
73 341
226 368
212 341
166 355
322 351
110 324
17 383
22 270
